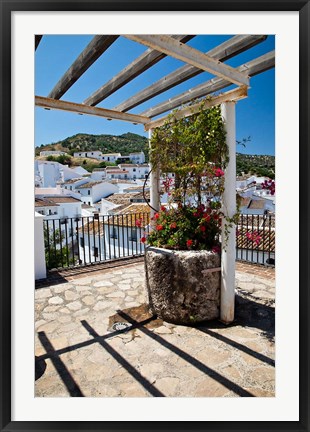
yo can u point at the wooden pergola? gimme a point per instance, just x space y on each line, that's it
196 62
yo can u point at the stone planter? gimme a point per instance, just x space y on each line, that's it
179 289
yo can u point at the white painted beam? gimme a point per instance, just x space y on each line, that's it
191 56
155 186
232 95
222 52
62 105
252 68
228 262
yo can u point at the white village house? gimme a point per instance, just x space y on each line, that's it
114 236
48 174
91 192
135 171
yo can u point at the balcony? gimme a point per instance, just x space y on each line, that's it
96 338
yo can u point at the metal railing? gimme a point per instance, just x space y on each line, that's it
255 239
81 241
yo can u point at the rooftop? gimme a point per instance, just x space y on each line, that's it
89 185
43 202
134 165
63 199
95 337
121 198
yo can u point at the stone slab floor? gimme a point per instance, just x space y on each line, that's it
94 337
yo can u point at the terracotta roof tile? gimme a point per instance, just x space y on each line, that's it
257 239
42 202
63 199
121 198
88 185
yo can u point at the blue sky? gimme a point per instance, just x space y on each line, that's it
255 116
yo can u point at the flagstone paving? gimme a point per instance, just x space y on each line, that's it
95 337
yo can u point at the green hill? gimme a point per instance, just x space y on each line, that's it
262 165
124 144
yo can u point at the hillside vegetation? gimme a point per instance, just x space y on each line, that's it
261 165
124 144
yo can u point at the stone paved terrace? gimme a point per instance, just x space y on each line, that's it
84 346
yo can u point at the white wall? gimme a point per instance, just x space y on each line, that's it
138 158
109 247
110 157
39 250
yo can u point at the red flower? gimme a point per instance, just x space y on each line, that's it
159 227
163 208
196 214
143 240
189 243
202 228
216 249
156 215
173 225
257 240
138 222
206 217
218 172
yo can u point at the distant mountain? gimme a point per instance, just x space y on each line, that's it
124 144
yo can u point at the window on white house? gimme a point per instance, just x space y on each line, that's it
88 192
82 242
95 252
113 233
134 170
133 235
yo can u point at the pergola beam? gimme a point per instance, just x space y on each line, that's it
139 65
222 52
254 67
97 46
189 55
230 96
85 109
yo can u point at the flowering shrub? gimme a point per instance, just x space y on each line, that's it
187 227
269 185
195 151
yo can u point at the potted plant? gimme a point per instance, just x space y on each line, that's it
184 246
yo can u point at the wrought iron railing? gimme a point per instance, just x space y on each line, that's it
255 239
81 241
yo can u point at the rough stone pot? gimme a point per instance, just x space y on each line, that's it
179 289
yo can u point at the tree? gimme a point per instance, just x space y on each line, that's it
56 255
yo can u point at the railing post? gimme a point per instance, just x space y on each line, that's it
39 249
229 208
154 190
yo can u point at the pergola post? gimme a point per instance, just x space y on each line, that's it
154 180
229 209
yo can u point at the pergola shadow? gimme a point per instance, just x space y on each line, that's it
248 314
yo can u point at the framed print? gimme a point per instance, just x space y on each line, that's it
181 382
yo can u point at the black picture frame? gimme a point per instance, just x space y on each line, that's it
7 7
